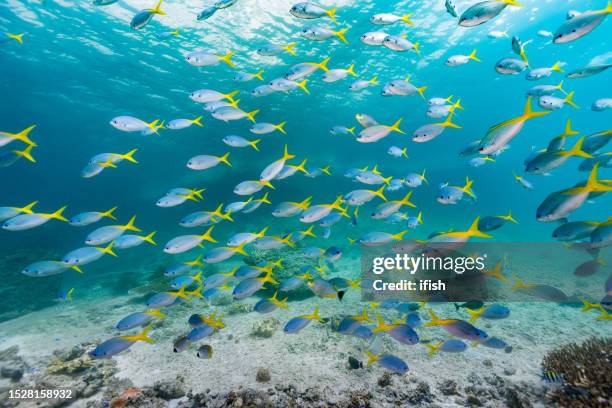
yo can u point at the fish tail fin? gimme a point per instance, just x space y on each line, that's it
457 105
76 268
262 232
305 204
350 240
224 159
230 96
406 19
351 130
198 193
448 121
326 169
340 35
28 208
309 232
593 184
518 283
287 155
474 314
266 183
27 153
109 213
227 216
264 199
251 115
529 114
289 48
258 74
253 144
240 249
332 14
281 127
227 58
197 120
422 176
512 3
158 10
467 188
336 205
435 320
380 324
351 70
400 235
144 335
373 80
433 348
395 126
287 241
380 192
23 135
473 56
58 214
405 152
569 101
108 249
557 67
586 305
387 180
473 231
16 37
149 238
207 237
576 150
153 126
129 156
560 87
198 277
497 272
130 225
421 91
604 314
406 200
420 217
302 85
323 64
371 357
568 131
157 313
509 217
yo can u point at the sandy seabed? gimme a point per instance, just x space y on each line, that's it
314 358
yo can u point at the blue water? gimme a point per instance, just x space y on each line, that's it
82 65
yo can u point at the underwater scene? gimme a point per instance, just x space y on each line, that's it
274 203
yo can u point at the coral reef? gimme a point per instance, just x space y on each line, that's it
70 362
263 375
265 328
586 371
169 390
12 366
238 308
